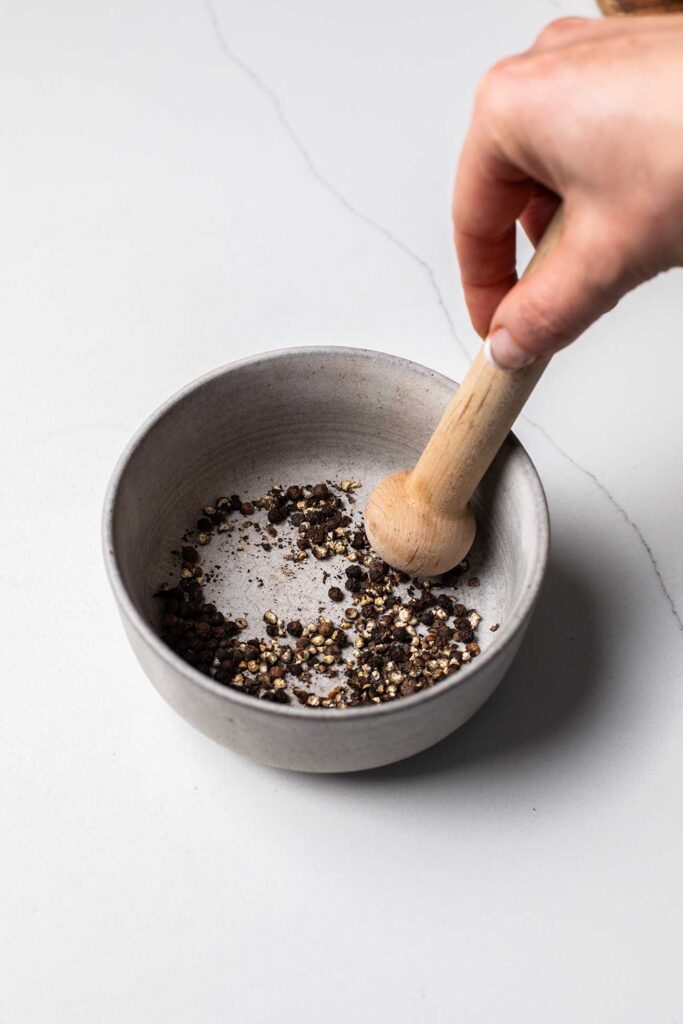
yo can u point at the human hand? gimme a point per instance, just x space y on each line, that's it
591 114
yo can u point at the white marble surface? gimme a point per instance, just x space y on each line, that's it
185 184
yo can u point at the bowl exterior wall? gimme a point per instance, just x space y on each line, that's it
323 741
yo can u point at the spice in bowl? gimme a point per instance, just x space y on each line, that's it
384 635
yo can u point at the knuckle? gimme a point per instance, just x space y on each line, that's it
494 87
610 254
500 72
555 31
545 323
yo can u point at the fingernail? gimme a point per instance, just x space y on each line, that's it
504 353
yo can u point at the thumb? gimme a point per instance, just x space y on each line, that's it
580 279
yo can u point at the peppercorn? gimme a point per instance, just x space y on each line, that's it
277 515
279 697
354 572
398 652
317 534
378 570
389 658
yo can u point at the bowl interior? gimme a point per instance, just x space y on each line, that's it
301 416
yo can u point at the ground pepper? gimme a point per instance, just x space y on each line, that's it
391 642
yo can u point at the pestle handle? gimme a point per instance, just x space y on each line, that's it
478 419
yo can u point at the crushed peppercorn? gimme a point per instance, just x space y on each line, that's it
397 637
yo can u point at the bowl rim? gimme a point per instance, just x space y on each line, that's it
515 622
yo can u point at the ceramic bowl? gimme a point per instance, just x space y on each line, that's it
303 415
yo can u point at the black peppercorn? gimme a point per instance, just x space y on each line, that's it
277 515
378 570
398 652
390 649
317 534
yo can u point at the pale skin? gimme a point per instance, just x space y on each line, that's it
592 114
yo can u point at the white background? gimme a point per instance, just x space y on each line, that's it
177 191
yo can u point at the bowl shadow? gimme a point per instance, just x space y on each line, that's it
548 690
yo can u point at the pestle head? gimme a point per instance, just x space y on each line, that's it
410 534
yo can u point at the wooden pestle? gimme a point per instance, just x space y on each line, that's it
420 520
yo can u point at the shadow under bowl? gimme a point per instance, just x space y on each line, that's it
296 416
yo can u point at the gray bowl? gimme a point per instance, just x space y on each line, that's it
294 416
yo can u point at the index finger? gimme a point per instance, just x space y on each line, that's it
490 193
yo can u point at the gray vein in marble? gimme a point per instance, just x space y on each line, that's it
623 514
427 270
316 173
